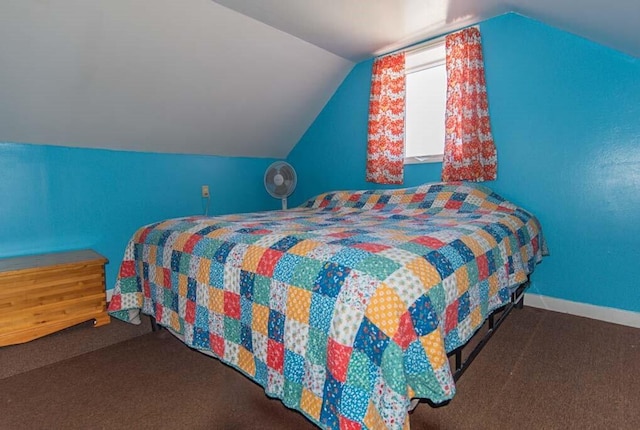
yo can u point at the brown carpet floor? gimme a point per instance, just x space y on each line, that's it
542 370
71 342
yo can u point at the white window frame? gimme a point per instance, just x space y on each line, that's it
434 58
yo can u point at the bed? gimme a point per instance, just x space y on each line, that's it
344 308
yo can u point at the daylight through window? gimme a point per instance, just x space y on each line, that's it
426 97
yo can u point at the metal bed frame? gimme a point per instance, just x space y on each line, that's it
495 319
517 301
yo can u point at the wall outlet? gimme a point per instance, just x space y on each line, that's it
205 191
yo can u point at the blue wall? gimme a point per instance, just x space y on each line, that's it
565 114
58 198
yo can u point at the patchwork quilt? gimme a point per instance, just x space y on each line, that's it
344 308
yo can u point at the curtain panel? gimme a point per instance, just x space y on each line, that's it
385 139
469 150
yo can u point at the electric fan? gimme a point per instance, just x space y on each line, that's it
280 180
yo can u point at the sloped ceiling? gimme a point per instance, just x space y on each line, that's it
224 77
182 76
357 29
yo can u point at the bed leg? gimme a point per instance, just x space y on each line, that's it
517 297
458 359
154 324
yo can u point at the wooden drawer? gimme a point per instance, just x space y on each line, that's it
41 294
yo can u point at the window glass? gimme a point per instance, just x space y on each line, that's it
426 96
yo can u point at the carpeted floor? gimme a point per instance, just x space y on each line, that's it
542 370
71 342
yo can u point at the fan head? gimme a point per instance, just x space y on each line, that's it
280 180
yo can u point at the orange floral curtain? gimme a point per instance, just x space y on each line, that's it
469 151
385 144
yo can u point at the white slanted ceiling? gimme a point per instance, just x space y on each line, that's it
357 29
183 76
224 77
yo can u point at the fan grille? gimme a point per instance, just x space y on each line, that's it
280 179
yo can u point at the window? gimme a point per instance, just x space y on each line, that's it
426 97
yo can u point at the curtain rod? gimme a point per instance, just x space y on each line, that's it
425 43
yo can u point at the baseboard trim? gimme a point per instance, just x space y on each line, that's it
602 313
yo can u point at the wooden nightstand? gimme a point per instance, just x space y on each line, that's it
41 294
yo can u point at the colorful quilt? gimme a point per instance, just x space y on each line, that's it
344 308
